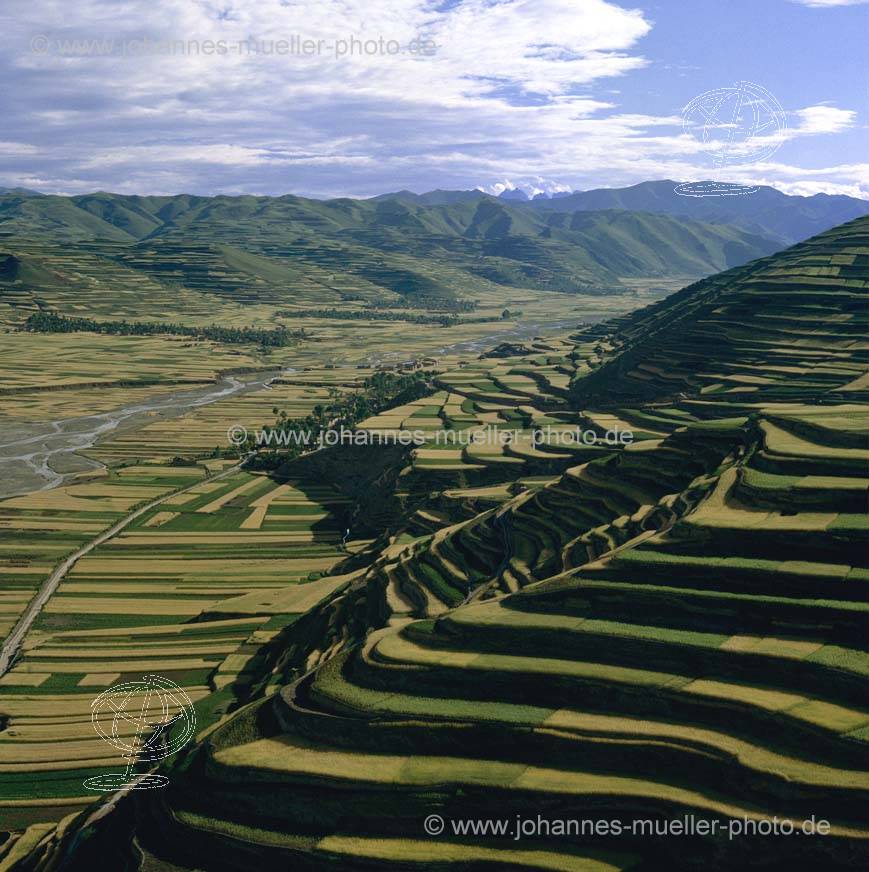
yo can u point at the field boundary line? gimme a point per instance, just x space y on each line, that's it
13 642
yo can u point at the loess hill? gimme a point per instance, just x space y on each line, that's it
678 626
385 250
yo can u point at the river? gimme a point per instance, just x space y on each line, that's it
39 456
42 456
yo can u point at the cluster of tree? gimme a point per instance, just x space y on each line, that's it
371 314
435 304
51 322
381 391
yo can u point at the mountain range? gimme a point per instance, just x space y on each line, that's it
438 245
768 212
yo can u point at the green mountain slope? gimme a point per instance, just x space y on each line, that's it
768 212
384 249
762 325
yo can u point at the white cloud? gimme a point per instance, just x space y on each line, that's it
819 4
17 148
519 93
531 187
809 189
824 119
116 114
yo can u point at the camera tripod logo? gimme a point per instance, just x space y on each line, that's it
147 721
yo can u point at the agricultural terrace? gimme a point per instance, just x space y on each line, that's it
677 626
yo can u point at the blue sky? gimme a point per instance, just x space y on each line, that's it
136 96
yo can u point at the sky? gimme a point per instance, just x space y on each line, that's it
345 98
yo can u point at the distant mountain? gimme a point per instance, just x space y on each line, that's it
545 195
25 191
442 244
433 198
768 212
514 194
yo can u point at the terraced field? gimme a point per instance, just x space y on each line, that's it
40 528
126 608
627 632
151 598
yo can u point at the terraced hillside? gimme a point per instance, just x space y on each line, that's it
771 330
260 250
637 633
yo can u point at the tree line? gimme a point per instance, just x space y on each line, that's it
379 392
370 315
403 314
427 301
51 322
